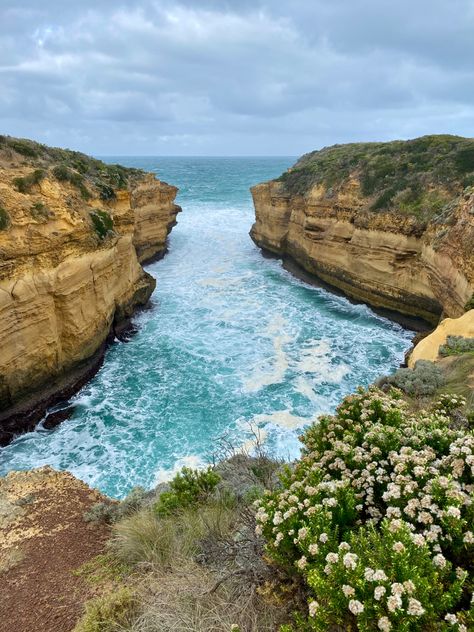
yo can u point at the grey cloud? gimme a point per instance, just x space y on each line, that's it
213 77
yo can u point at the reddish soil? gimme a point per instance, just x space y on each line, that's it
43 540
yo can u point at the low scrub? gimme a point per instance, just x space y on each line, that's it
456 345
26 183
423 380
376 518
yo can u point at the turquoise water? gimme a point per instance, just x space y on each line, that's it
232 345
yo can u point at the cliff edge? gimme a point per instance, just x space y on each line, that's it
73 231
390 224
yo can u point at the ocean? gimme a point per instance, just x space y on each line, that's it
233 347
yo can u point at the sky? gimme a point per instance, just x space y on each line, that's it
217 77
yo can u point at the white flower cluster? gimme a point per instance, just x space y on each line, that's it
375 462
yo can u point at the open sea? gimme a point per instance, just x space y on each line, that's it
233 346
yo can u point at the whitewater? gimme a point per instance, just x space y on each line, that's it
232 347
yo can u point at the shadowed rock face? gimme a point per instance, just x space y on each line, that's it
73 232
415 259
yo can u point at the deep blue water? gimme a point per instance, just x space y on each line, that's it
233 342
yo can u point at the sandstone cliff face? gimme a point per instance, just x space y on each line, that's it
69 275
428 348
386 257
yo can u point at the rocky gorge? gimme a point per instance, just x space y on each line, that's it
73 235
389 224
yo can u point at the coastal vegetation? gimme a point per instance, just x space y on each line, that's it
417 177
371 529
78 169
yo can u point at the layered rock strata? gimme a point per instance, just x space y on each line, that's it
413 258
71 243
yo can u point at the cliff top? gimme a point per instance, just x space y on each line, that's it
65 165
417 177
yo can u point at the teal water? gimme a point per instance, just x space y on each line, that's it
233 343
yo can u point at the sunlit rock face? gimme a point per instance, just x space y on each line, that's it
72 234
405 243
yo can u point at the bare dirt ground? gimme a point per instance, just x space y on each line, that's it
43 541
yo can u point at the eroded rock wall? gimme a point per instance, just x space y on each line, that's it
386 259
64 287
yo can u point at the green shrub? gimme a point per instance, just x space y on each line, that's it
109 613
377 518
188 488
455 345
103 222
4 219
62 173
23 147
25 184
424 379
470 304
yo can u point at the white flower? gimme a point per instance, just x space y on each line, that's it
384 624
379 576
451 618
313 549
394 602
398 547
312 607
348 591
355 606
468 538
323 537
302 533
332 558
379 592
369 574
397 589
439 560
453 512
415 608
350 560
343 546
409 586
302 562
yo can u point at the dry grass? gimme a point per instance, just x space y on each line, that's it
188 598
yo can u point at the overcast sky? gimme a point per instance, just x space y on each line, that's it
236 77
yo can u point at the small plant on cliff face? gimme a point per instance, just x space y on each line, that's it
4 219
188 488
470 304
103 223
455 345
25 184
424 379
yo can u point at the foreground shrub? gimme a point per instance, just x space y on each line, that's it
111 512
377 518
456 345
188 488
424 379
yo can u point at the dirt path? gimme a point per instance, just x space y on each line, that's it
43 540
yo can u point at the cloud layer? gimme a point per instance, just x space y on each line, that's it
235 77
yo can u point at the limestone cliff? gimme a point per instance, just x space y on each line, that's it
73 231
390 224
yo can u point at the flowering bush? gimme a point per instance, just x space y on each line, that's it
377 517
